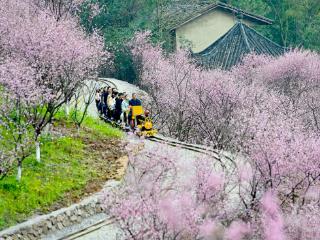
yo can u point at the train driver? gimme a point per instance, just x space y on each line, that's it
133 102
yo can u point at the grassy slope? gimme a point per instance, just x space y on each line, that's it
67 167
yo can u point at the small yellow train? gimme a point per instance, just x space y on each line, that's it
141 120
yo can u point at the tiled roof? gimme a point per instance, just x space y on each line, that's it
234 45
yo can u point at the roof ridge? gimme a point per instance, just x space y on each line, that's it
267 39
243 32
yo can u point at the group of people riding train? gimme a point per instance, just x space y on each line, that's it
115 107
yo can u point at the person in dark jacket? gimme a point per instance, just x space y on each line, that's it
118 107
98 100
104 97
133 102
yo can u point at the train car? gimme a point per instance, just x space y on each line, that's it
142 122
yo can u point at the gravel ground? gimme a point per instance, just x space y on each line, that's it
105 233
66 231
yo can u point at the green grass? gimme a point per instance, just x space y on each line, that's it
43 183
96 125
64 169
102 129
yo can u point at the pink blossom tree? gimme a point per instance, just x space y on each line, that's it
264 111
272 221
16 94
6 152
278 142
303 223
155 202
168 80
217 103
59 53
82 100
184 96
294 77
6 162
16 139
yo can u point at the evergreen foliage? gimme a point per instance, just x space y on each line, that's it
296 24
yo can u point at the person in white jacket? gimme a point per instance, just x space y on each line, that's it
111 102
98 101
125 109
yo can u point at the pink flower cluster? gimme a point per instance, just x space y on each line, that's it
43 60
152 203
265 110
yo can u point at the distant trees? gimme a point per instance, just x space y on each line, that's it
45 57
118 20
60 8
296 22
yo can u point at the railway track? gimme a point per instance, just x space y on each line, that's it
88 230
108 82
188 146
195 148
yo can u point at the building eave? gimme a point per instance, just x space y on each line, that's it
245 15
